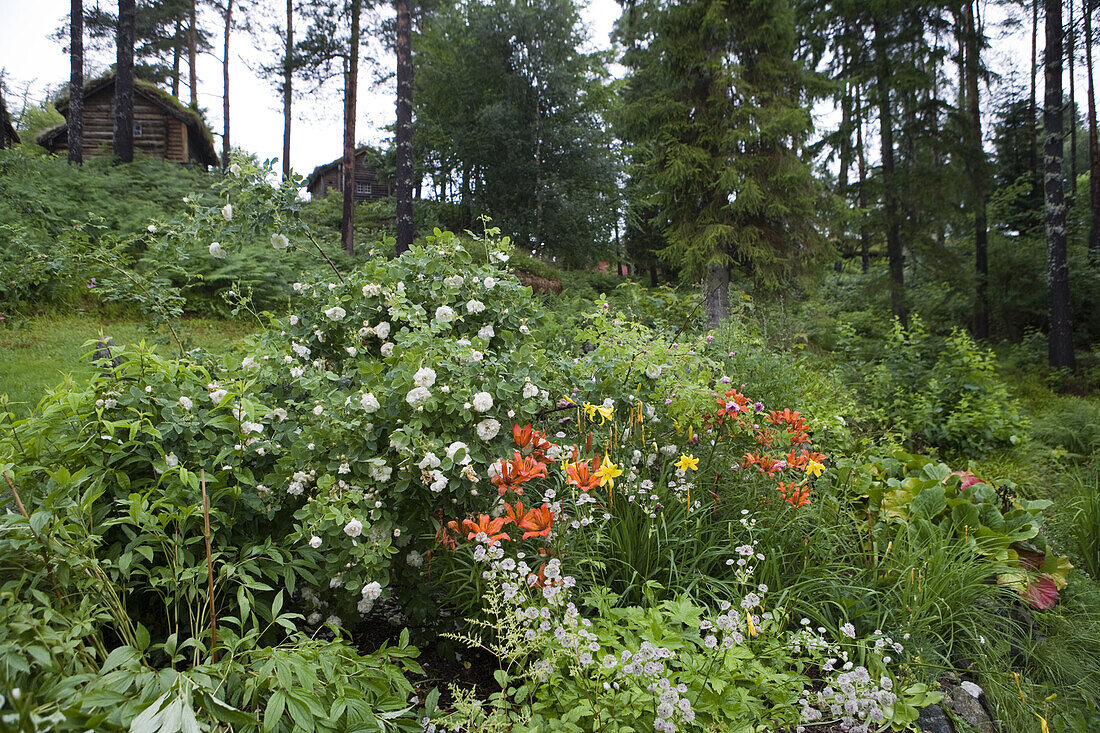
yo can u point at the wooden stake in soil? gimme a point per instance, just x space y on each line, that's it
209 567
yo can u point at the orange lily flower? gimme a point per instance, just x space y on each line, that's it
794 494
580 475
530 441
799 460
491 527
764 463
517 471
537 522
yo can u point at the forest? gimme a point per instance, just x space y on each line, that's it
737 371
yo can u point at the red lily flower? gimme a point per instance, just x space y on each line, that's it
764 463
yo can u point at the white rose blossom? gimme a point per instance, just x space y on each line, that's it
235 169
314 542
186 403
417 396
354 528
444 314
387 349
279 241
529 391
217 250
489 283
474 307
372 290
482 402
335 313
424 377
382 330
227 212
486 332
369 402
487 429
454 448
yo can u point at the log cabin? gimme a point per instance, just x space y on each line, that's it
8 137
370 183
163 127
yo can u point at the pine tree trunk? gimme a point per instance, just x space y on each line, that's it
76 82
351 81
403 130
861 161
1071 53
124 82
1034 120
894 254
845 164
1094 148
717 301
177 53
225 84
192 53
288 86
1061 331
976 161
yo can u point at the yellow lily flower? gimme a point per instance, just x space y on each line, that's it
814 468
687 462
608 472
605 413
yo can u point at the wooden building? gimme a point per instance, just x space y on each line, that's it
371 184
7 130
163 126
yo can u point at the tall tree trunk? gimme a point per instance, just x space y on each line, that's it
894 253
845 164
351 82
192 53
177 53
1094 149
861 161
403 130
1034 119
225 84
1071 54
124 82
717 301
288 86
1061 327
976 161
76 82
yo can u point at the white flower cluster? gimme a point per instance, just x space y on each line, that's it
372 591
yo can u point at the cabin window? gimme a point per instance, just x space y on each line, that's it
137 129
362 189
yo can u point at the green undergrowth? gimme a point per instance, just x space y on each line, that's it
36 353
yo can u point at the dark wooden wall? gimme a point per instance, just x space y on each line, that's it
364 173
156 133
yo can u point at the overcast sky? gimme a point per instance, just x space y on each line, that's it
29 56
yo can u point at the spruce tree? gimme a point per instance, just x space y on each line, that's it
714 114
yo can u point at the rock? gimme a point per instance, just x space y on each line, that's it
933 720
968 707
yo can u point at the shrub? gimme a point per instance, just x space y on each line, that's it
946 395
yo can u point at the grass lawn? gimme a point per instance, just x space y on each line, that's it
37 352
